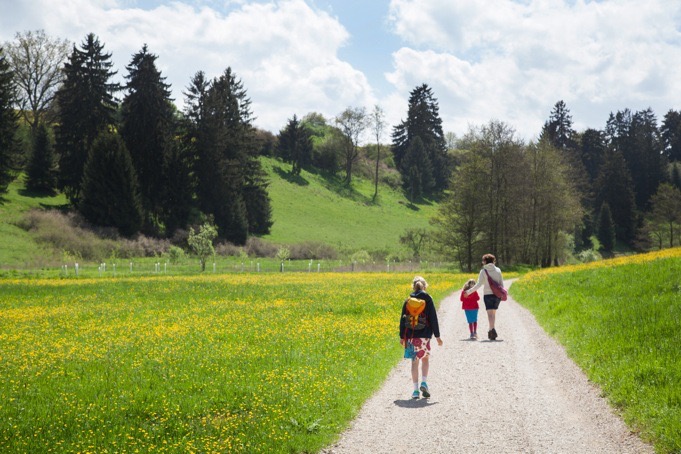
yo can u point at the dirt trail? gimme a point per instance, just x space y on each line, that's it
518 394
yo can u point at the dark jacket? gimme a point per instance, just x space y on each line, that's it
432 327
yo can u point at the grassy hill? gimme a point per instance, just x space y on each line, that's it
307 208
313 207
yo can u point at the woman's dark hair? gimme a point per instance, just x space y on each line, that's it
488 258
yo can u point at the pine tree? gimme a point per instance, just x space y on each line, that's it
147 129
179 186
614 186
676 176
86 107
226 156
8 123
109 193
606 228
592 149
417 170
295 145
41 174
671 135
423 121
558 129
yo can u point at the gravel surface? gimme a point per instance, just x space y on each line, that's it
518 394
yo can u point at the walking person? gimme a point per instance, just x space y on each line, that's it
418 324
470 306
489 271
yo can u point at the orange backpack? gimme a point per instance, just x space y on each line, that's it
416 316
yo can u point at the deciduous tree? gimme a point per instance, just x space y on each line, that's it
352 122
36 60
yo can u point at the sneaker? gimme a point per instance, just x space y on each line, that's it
475 336
493 334
415 394
472 336
424 390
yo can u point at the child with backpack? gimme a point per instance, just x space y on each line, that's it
470 306
418 324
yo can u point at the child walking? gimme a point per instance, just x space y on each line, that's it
418 324
469 304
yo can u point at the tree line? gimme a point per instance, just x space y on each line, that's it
126 157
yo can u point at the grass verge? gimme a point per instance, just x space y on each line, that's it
620 321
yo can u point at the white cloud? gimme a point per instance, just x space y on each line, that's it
513 60
284 52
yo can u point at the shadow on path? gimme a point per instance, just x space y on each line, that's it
414 403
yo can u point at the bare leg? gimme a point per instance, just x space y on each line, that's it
415 370
491 316
425 365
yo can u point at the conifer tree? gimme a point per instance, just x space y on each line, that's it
558 129
615 187
109 193
226 156
295 145
147 128
423 121
8 123
606 228
86 107
417 170
41 174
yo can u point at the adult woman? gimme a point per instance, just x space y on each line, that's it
489 271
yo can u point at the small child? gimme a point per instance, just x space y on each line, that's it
469 303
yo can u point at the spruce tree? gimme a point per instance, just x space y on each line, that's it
423 121
8 123
295 145
671 135
41 174
109 193
614 186
558 129
676 176
606 228
178 196
86 107
417 170
147 127
226 156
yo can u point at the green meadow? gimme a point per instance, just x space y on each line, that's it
227 363
620 321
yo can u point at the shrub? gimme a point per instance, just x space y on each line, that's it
312 250
175 254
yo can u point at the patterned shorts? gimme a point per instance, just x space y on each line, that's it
421 347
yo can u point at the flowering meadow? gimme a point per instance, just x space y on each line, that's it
217 363
620 321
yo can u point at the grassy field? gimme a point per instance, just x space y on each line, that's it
248 363
620 320
312 208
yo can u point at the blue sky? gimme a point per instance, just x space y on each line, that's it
484 59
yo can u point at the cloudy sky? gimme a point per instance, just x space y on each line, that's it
508 60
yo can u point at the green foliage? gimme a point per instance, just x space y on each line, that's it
423 122
295 145
615 187
175 254
606 228
147 116
109 191
41 174
201 242
86 107
8 122
621 325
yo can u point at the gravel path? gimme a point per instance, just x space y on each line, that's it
518 394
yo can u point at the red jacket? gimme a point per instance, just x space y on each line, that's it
469 302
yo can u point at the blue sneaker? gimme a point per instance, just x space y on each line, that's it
424 390
415 394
